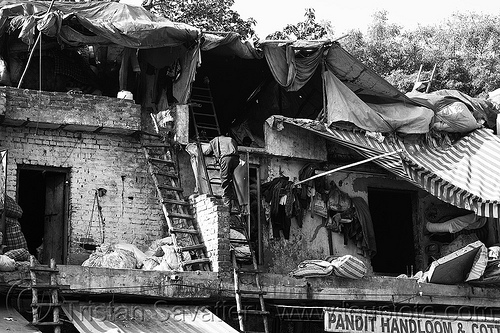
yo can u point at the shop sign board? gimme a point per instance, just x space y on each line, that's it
343 320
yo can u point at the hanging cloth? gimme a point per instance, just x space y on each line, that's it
289 70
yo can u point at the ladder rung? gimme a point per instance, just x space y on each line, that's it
201 88
254 312
171 188
157 145
205 114
207 127
251 292
196 261
44 269
175 202
47 323
160 160
50 286
46 304
184 231
248 271
191 247
201 99
238 241
167 174
181 216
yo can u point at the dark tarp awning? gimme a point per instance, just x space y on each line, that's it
230 45
142 318
464 174
105 23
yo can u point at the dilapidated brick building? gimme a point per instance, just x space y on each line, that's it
339 167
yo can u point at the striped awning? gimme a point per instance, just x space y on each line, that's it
465 174
13 321
143 318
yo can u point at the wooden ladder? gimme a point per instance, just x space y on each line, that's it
239 293
163 167
54 289
205 122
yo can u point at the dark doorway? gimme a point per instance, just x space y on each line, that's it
392 216
42 196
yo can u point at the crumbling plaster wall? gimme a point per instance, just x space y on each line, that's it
130 207
295 148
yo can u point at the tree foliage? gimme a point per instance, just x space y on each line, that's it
308 29
208 15
465 49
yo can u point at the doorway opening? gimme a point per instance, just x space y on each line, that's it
42 195
393 214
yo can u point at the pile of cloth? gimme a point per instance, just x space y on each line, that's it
14 242
160 256
346 266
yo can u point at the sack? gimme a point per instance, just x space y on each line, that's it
18 254
455 117
7 264
150 263
169 261
14 237
12 209
139 255
349 267
108 257
312 268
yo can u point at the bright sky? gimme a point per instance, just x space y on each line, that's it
273 15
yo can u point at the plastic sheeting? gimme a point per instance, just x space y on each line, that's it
290 71
110 22
230 45
344 105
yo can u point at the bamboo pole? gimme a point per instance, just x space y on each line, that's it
38 41
348 166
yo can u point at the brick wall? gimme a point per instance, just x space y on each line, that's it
130 207
77 111
213 222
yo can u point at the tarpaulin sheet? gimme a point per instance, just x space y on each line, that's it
344 105
230 45
360 78
106 22
291 71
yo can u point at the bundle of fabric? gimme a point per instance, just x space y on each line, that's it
108 256
242 251
161 256
14 238
312 268
348 267
18 254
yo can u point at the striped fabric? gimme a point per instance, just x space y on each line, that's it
349 267
143 318
465 174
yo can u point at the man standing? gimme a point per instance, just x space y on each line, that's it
225 150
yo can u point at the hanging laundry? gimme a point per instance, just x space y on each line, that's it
282 196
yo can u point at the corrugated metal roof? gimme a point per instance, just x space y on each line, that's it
144 318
